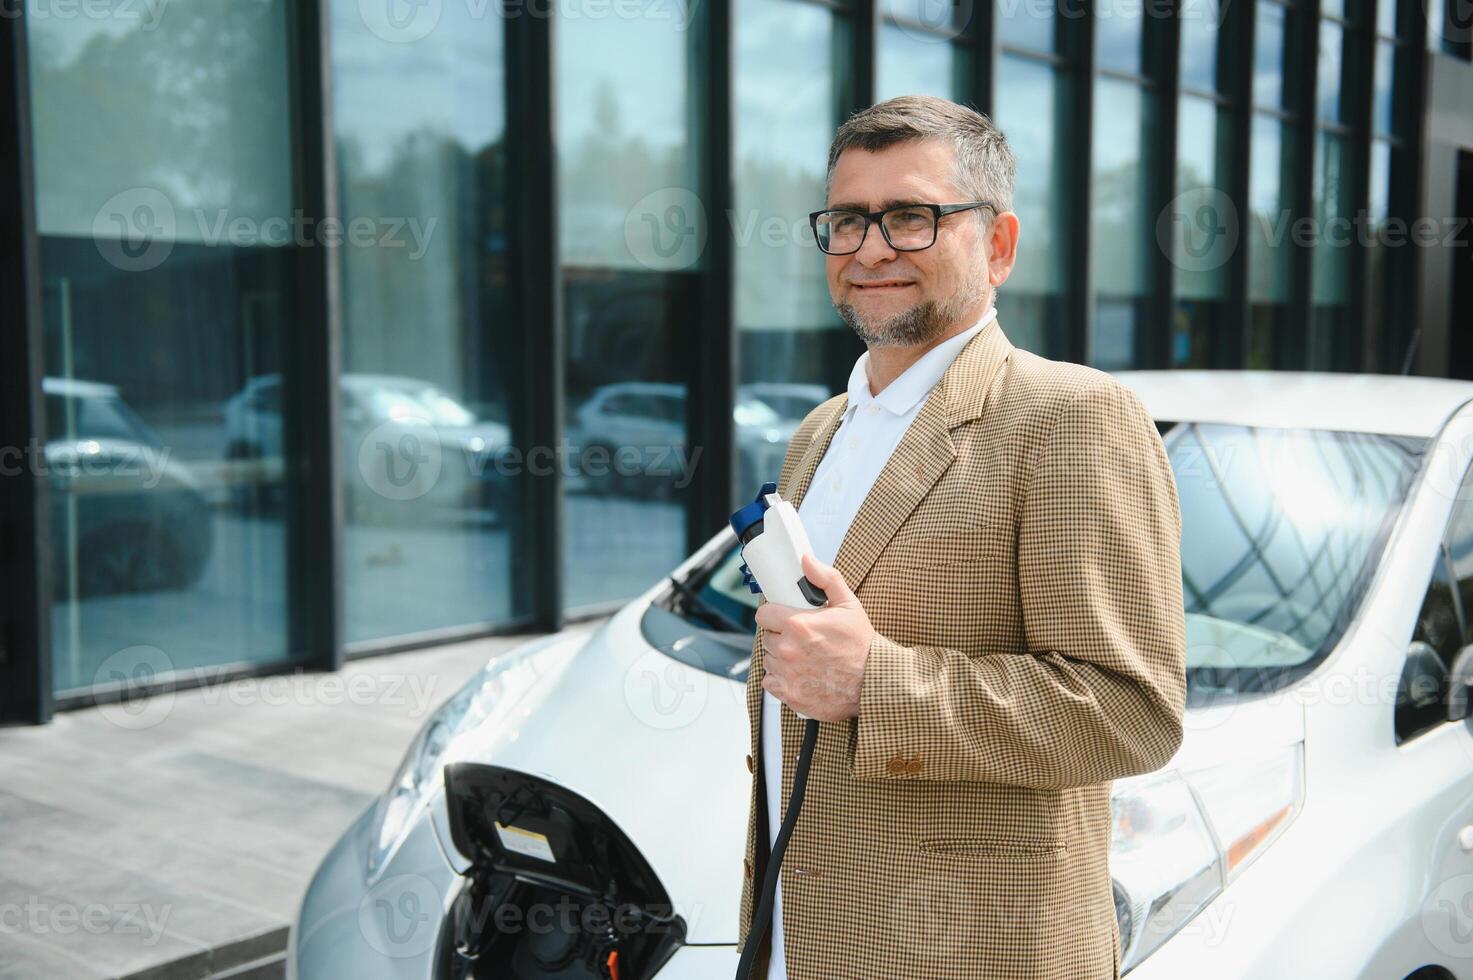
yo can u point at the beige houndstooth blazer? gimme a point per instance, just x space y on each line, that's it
1019 559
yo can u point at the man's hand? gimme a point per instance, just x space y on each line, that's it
814 659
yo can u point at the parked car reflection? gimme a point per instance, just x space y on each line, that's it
407 445
631 438
126 516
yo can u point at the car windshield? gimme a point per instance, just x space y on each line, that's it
1281 529
95 417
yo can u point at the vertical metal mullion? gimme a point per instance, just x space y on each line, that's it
1235 60
712 373
1409 175
1304 41
1360 42
312 439
1163 44
866 52
1079 49
987 55
25 609
537 279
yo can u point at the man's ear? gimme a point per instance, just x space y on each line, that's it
1002 248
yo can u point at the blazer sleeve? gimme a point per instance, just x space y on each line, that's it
1101 690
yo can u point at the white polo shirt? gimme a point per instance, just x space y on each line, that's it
867 436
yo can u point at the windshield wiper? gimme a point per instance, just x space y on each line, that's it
697 606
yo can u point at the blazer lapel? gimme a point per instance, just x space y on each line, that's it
923 455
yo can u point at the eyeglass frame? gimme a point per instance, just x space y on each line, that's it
938 211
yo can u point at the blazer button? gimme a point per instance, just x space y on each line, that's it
749 765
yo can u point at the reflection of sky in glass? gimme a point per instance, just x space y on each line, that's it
1199 39
1385 17
1268 56
1118 35
1268 256
1380 181
783 91
1116 241
385 83
912 65
1027 23
1027 113
622 112
1197 162
1381 96
1332 47
1332 249
1277 523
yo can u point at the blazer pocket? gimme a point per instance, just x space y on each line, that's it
941 549
994 847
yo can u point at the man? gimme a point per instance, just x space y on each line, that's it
1004 634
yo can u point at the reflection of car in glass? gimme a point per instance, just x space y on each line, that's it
791 401
631 437
1316 822
403 439
125 517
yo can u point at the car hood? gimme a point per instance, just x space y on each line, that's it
657 745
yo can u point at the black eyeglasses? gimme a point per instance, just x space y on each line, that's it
906 227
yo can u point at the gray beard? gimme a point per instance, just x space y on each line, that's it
920 324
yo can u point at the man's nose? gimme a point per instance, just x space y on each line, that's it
874 249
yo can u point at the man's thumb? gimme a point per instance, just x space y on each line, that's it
828 578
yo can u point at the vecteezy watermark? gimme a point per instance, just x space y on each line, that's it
1198 229
1447 917
38 917
407 21
142 467
1450 20
400 916
936 20
666 229
146 14
136 229
664 693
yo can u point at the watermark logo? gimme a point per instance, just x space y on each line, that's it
400 916
400 21
936 20
401 459
1198 230
136 673
664 693
666 229
135 230
1447 917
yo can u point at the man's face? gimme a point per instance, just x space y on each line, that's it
893 298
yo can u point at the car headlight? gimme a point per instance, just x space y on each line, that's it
1180 837
419 775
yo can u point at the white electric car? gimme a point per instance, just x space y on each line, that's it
578 809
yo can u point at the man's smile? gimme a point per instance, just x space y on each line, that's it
879 286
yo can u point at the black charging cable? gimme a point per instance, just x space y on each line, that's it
762 915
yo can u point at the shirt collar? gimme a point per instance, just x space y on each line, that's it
900 395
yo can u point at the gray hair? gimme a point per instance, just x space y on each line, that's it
984 166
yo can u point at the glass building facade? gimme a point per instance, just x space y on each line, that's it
337 327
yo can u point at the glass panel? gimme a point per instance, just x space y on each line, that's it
948 18
1381 94
1204 230
1378 252
1118 35
793 351
1332 8
430 470
914 63
1268 56
1329 344
1118 244
1028 24
167 264
632 229
1332 48
1269 228
1277 543
1201 31
1033 111
1386 18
